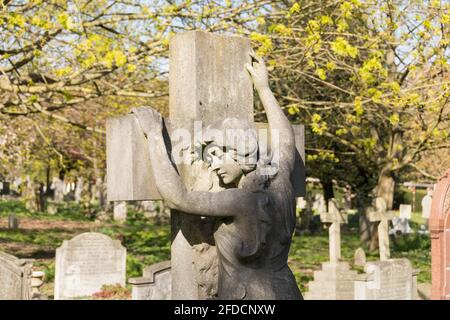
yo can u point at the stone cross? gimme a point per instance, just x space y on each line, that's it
208 82
336 218
381 215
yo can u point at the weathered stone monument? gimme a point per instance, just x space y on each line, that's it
58 186
335 281
86 262
13 222
440 239
319 204
208 82
120 211
155 283
15 278
426 205
405 211
387 279
392 279
359 258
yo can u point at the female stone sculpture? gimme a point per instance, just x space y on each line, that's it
256 212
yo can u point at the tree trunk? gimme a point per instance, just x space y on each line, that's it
328 192
365 230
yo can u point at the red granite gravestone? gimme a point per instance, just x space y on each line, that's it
440 239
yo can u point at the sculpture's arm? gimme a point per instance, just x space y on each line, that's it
231 202
276 117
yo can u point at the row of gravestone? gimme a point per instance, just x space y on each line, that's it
387 279
83 265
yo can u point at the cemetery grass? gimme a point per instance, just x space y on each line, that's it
148 241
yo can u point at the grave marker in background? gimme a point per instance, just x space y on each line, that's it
392 279
86 262
335 281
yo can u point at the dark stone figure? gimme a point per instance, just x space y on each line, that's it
254 209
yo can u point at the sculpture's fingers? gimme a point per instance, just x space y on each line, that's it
250 69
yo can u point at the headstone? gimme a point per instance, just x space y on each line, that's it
301 203
380 215
392 279
58 186
426 204
319 204
15 278
13 222
335 281
155 283
208 81
400 226
79 189
405 211
440 239
360 257
87 262
120 211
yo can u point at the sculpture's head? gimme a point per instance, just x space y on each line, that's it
231 149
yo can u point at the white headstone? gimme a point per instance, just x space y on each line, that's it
301 203
426 205
405 211
87 262
392 279
319 204
120 211
400 225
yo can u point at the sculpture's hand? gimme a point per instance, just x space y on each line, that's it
149 119
258 71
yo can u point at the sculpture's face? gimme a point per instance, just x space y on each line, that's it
226 167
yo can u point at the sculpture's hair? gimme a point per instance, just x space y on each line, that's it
241 139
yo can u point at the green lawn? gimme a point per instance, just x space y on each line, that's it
148 242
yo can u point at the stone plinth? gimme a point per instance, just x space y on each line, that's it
334 282
392 279
155 284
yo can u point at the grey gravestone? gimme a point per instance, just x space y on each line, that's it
319 204
13 222
400 226
405 211
15 278
86 262
120 211
155 283
79 189
335 281
392 279
426 205
58 186
360 257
